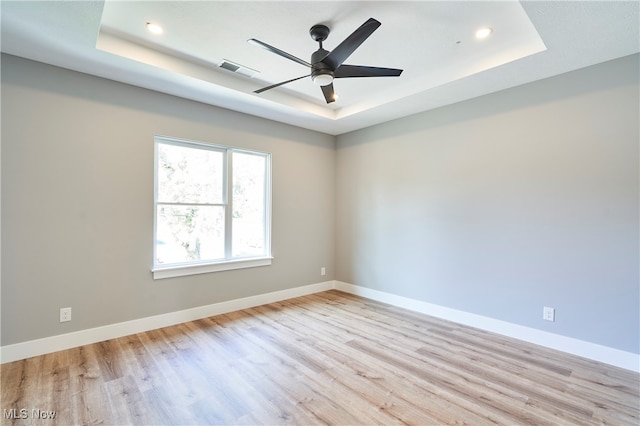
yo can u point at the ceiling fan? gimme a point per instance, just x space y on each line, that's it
325 65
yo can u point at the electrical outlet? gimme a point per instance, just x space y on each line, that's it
549 314
65 314
323 271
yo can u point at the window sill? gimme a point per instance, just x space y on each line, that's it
203 268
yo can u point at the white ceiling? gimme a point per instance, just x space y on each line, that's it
433 42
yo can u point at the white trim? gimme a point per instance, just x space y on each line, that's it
46 345
226 265
593 351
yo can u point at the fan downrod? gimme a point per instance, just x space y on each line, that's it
319 32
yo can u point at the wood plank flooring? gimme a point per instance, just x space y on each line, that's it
328 358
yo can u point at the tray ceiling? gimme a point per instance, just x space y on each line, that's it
433 42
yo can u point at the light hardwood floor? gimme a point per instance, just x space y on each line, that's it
328 358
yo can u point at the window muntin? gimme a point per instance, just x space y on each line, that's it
212 205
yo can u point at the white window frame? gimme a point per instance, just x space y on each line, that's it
229 263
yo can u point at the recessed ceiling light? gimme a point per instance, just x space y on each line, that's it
484 32
154 28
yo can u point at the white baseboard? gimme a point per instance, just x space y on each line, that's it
616 357
593 351
84 337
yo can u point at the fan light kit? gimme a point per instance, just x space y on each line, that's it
326 66
322 79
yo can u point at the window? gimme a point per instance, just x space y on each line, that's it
212 208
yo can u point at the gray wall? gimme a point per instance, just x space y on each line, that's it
496 206
504 204
77 201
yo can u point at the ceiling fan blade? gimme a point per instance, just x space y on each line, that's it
346 71
328 92
264 89
279 52
338 55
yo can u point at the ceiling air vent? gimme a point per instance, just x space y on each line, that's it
237 68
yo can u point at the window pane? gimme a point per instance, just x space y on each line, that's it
190 175
189 233
248 221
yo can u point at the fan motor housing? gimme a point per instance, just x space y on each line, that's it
317 66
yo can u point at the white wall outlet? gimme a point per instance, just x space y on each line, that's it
65 314
323 271
549 314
